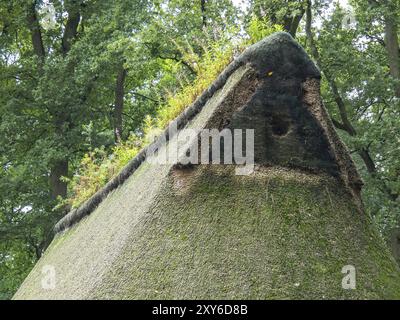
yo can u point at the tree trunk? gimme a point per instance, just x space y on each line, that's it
292 23
71 28
60 167
36 34
392 50
289 21
58 187
119 103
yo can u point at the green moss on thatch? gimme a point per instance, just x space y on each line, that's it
278 234
203 232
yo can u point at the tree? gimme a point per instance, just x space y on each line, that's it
357 95
51 88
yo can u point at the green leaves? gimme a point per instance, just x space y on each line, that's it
62 108
260 28
357 59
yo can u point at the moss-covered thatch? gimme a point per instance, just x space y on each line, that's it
201 231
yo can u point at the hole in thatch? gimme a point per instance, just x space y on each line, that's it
280 126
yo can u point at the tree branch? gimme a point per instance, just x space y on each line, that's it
144 97
338 125
175 58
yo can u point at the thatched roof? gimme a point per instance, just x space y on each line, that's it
285 231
